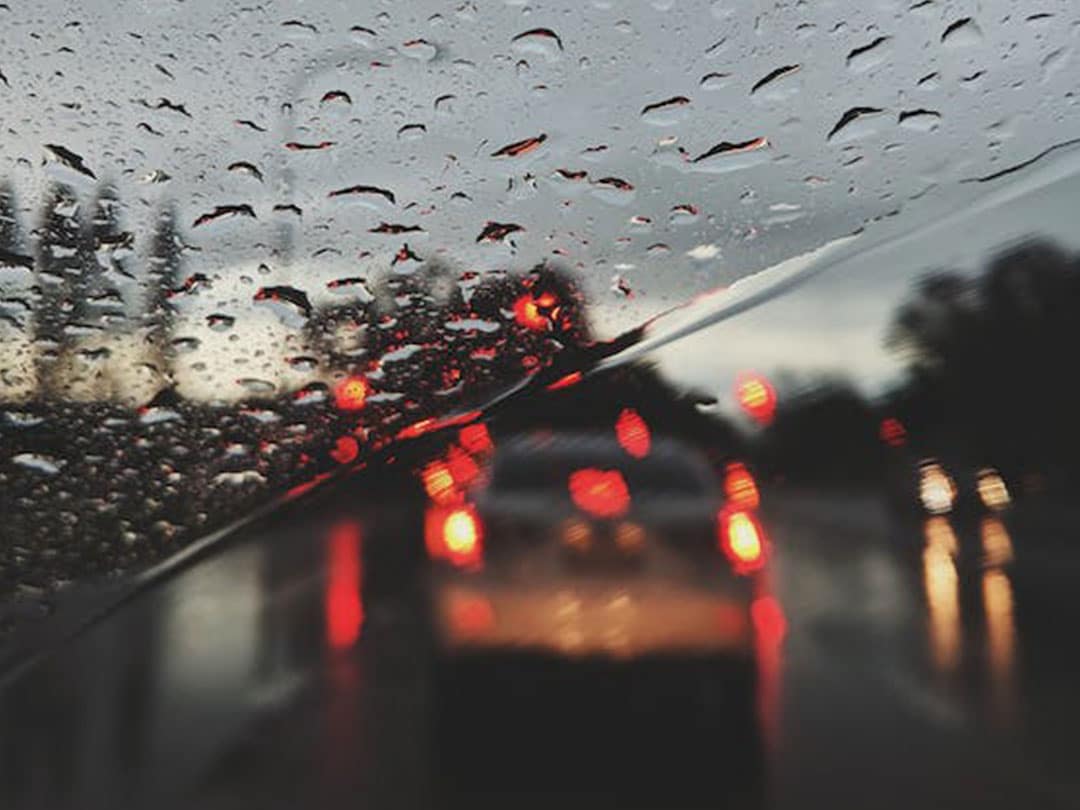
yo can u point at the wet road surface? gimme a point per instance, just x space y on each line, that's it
917 663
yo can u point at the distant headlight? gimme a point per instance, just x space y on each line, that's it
937 492
992 490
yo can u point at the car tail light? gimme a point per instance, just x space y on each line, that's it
577 535
629 537
455 535
742 540
740 488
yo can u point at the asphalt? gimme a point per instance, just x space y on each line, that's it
289 666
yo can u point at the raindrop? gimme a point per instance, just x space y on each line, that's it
156 176
520 147
395 228
498 231
444 104
715 81
335 95
541 41
620 286
774 76
616 183
256 386
1053 62
848 123
919 120
411 132
243 122
295 301
300 24
725 148
362 190
289 208
419 49
930 81
667 111
224 212
567 174
658 249
867 56
219 322
70 159
247 169
963 32
295 146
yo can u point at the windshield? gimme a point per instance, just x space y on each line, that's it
270 266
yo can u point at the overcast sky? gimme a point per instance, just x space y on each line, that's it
435 89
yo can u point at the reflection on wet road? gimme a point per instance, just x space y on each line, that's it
902 664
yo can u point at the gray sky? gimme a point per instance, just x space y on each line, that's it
89 75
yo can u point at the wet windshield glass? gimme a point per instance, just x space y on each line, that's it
242 246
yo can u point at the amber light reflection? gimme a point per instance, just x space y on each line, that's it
942 593
343 606
1000 620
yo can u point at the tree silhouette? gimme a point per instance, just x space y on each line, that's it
105 261
13 307
164 267
990 358
63 291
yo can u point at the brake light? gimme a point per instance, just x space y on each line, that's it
633 433
455 535
740 488
439 483
600 493
742 540
756 397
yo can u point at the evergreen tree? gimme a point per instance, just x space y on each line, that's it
165 265
61 303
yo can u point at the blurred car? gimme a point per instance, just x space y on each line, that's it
576 558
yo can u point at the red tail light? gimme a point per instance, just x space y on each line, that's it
743 541
740 488
455 535
600 493
633 433
756 397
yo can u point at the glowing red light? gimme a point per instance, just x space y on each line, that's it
601 493
439 483
633 433
343 606
455 535
768 619
476 439
565 382
756 397
472 615
527 311
345 450
351 394
892 432
463 468
742 539
740 488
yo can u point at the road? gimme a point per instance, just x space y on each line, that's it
255 676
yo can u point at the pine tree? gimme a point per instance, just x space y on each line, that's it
164 271
61 304
105 249
12 286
